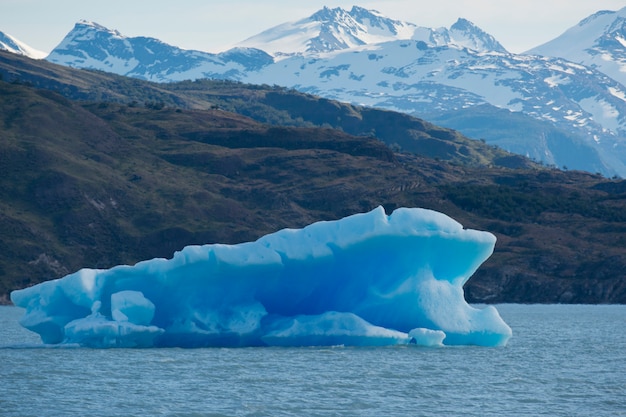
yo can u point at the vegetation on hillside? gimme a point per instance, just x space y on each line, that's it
99 170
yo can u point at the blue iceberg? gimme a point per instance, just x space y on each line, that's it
369 279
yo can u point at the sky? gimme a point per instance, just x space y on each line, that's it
215 25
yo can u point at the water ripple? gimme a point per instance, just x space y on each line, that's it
561 361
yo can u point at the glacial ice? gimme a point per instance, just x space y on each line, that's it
368 279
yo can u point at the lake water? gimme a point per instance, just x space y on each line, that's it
563 360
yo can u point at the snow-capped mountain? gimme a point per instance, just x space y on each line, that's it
90 45
11 44
410 77
599 41
338 29
364 58
466 34
330 30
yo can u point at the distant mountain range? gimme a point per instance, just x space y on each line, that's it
338 29
563 103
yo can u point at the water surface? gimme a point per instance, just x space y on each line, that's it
562 360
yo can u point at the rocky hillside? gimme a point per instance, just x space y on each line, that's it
136 170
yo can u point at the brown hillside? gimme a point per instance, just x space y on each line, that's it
99 183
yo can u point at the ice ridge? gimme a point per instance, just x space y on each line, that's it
367 279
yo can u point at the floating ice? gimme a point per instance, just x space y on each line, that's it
367 279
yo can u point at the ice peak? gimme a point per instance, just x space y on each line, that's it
598 15
597 41
467 34
11 44
83 24
358 10
368 17
464 25
601 23
360 13
330 29
328 14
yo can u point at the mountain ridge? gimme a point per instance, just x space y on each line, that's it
269 105
337 29
14 45
137 56
598 41
428 74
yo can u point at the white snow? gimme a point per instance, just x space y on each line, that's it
555 81
602 112
618 93
14 45
583 44
352 29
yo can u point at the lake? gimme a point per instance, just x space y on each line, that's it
563 360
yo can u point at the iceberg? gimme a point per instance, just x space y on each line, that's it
369 279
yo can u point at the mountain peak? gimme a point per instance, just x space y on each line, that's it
465 25
327 14
11 44
597 41
467 34
358 10
330 29
377 21
598 15
91 45
334 29
87 25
